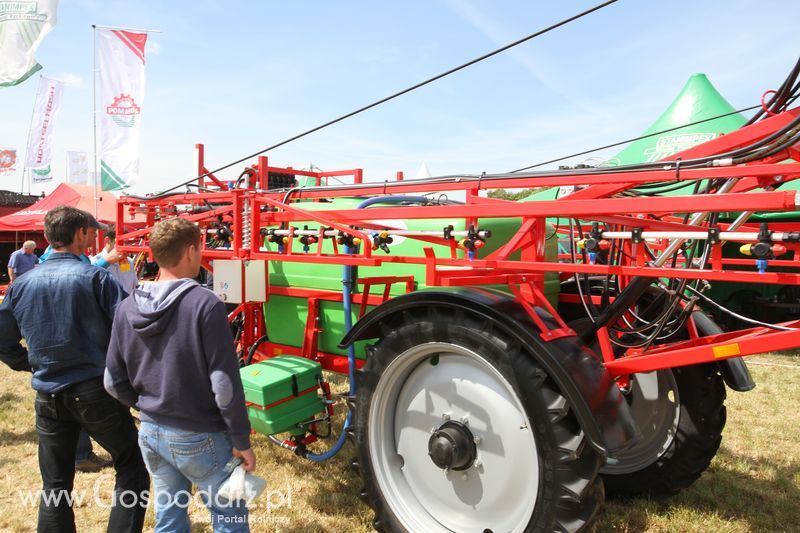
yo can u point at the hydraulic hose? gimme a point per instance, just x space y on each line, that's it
347 303
638 285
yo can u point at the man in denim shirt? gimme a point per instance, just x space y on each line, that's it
63 309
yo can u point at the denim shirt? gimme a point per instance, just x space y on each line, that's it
63 309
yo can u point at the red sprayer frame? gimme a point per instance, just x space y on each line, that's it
249 206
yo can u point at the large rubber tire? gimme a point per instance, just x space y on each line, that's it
681 413
534 470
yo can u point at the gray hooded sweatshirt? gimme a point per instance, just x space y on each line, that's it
171 355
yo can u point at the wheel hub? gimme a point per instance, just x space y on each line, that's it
452 446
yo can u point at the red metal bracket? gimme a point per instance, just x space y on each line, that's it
387 282
312 330
516 284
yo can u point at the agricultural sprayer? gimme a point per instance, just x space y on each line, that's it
506 364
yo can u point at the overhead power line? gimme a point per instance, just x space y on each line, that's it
543 163
404 91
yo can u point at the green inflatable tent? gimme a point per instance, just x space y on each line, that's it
698 100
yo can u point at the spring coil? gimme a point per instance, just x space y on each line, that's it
246 224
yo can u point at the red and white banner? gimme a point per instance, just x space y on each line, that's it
8 161
121 98
45 111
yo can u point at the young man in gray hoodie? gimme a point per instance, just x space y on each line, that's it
172 356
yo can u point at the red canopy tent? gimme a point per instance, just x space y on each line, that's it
80 196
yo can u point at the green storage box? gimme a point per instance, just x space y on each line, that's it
282 392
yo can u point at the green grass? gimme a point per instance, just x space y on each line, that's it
752 485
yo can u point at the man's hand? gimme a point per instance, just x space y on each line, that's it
113 257
248 457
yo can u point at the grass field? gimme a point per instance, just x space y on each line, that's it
752 485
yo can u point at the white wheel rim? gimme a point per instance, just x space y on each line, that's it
412 397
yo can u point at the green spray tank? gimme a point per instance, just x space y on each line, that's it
286 315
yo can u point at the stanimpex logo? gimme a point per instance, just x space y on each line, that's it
123 111
667 145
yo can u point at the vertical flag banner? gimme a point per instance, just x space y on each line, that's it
121 55
8 161
45 111
78 168
23 26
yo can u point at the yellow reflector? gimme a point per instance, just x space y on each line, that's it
726 350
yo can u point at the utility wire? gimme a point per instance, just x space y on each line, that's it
404 91
634 139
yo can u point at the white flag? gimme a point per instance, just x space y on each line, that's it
45 111
23 25
8 161
78 168
121 97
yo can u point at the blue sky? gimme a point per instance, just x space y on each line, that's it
239 76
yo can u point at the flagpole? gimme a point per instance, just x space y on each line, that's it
28 143
94 111
138 30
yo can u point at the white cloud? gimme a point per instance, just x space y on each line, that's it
152 48
71 80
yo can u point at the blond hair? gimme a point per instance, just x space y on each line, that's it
170 238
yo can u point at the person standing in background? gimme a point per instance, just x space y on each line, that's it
118 265
22 261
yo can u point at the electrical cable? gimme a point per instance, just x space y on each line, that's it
400 93
658 165
743 110
737 315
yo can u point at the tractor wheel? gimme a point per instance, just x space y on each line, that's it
681 414
458 429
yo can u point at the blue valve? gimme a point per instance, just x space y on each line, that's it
306 248
471 254
592 257
280 248
761 265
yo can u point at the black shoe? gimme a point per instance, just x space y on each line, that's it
92 463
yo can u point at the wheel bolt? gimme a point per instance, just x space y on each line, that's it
447 415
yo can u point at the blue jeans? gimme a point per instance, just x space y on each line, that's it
176 459
84 449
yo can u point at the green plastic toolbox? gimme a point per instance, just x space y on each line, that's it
282 392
